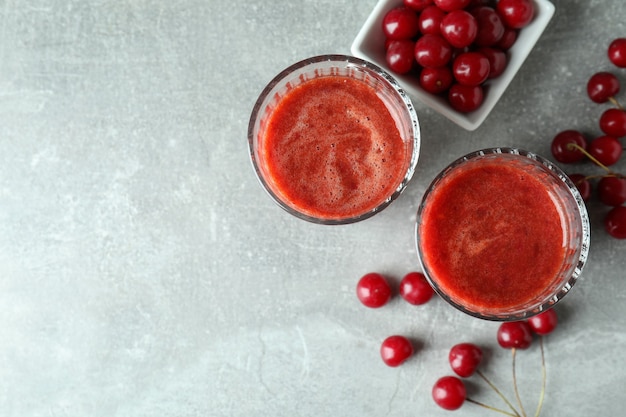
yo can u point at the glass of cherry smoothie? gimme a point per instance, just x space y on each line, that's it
334 139
502 234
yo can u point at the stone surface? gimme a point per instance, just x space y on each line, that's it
144 272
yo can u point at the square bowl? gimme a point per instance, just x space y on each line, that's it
369 44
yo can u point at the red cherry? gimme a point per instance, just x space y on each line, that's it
613 122
544 322
615 222
605 149
617 52
582 183
395 350
612 191
471 68
465 98
464 359
450 5
497 60
430 20
432 51
516 14
490 26
449 393
459 28
400 23
508 39
373 290
400 56
415 289
436 80
417 5
602 86
515 334
562 152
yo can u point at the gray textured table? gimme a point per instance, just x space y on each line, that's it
144 272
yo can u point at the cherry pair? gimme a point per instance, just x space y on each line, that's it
519 334
374 290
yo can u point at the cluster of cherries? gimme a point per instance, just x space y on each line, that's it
454 46
571 146
449 392
374 291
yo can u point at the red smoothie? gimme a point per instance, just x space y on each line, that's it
492 234
332 148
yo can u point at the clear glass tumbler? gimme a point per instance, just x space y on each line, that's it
386 89
483 234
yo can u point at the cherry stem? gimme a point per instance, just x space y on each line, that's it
506 413
614 174
616 103
572 146
543 378
519 400
593 177
480 374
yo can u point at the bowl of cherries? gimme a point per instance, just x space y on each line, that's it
456 56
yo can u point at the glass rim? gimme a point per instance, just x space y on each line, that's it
547 300
357 63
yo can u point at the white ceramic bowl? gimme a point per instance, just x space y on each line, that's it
370 45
